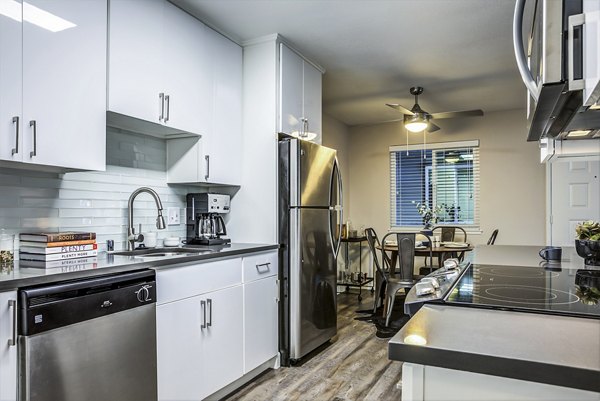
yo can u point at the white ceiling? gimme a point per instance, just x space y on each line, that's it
375 50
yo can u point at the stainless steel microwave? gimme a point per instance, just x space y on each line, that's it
560 66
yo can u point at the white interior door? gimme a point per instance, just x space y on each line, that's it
575 196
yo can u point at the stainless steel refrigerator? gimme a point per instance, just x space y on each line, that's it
310 219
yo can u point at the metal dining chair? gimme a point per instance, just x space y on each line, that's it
448 233
406 279
493 237
381 270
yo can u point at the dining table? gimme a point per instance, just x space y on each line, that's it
440 251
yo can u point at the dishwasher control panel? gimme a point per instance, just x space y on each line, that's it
49 307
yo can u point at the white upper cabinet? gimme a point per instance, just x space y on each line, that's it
214 159
53 83
223 144
313 100
136 66
300 95
292 91
186 78
11 122
158 64
64 84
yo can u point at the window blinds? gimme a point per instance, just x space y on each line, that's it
445 174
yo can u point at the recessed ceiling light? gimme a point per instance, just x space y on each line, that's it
11 9
34 15
576 133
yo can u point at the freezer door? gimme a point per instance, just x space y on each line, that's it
313 165
313 315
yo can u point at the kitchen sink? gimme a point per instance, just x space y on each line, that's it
163 252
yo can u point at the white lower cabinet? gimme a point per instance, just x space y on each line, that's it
215 321
8 347
261 322
223 339
199 344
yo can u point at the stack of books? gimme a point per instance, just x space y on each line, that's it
55 249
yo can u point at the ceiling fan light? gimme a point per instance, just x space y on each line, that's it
416 126
415 123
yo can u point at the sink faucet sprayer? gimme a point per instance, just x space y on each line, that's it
132 237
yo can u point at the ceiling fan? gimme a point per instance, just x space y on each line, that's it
417 119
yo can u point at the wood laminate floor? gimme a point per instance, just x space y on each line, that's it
354 367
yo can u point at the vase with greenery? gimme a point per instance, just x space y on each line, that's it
430 216
587 243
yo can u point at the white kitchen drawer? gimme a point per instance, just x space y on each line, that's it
187 281
260 266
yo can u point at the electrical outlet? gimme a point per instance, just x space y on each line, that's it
173 216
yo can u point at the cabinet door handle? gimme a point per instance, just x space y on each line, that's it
168 102
33 124
277 289
161 96
267 265
13 304
15 120
209 302
203 306
207 158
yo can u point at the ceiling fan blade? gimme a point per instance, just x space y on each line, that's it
452 114
401 109
432 127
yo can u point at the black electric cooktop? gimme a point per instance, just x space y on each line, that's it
564 292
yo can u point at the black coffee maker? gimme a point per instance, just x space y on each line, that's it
205 225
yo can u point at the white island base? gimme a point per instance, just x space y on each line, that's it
429 383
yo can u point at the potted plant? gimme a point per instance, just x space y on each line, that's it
587 243
430 216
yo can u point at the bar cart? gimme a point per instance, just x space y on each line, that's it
348 278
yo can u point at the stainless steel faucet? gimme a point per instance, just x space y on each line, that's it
132 237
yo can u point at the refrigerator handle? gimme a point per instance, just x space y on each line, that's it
341 206
335 242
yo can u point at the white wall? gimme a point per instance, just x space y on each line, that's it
512 179
95 201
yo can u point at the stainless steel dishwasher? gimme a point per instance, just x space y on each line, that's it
91 339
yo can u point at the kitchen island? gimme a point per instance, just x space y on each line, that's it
461 351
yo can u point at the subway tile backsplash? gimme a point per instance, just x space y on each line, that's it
95 201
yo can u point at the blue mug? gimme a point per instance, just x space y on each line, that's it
551 253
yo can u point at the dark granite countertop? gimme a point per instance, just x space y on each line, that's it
558 350
105 263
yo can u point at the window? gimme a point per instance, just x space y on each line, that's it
445 175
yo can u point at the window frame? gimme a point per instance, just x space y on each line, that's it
475 228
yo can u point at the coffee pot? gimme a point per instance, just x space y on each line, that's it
211 226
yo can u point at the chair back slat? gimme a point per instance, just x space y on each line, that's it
373 242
